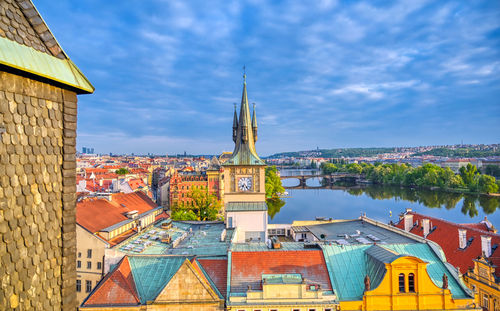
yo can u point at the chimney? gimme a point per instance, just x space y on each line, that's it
408 219
462 238
486 245
426 227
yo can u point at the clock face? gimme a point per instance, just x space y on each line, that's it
245 183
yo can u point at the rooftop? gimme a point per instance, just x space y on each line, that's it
349 264
357 232
185 239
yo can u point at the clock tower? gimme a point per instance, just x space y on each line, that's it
244 179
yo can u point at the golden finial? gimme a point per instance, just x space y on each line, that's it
244 75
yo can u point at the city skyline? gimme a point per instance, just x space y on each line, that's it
404 74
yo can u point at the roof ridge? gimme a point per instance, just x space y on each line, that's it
36 21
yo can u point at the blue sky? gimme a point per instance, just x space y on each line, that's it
322 73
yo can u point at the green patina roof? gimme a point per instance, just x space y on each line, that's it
246 206
290 278
376 258
152 273
29 60
349 264
244 148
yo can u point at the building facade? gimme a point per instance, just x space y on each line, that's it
244 179
472 248
38 112
103 223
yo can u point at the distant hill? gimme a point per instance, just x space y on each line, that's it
460 153
336 153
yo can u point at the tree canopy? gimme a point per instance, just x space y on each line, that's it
427 175
273 183
122 171
202 206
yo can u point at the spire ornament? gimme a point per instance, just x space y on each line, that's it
254 124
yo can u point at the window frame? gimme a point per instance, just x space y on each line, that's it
99 265
78 264
88 286
411 283
89 253
78 286
89 265
402 287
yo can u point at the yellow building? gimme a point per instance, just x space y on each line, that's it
484 282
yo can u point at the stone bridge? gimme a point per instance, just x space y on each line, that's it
329 179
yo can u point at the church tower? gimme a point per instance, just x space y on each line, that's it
244 178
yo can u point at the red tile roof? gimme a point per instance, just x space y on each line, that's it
136 183
117 288
446 235
247 267
97 214
217 271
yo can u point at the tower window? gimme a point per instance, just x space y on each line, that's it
78 285
411 283
401 283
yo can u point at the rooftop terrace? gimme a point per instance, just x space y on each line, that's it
180 238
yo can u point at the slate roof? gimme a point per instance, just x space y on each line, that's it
28 45
349 264
246 206
446 235
247 268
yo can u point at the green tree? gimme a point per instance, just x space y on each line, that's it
468 174
487 184
203 206
183 214
313 164
492 170
274 186
122 171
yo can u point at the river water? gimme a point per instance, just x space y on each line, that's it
382 203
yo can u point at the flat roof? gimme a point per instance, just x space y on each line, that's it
186 239
357 232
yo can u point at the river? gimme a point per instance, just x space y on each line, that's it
382 203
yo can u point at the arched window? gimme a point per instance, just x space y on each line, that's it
401 283
411 283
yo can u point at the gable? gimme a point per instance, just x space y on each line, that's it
117 288
152 273
187 285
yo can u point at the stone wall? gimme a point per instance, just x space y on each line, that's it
37 195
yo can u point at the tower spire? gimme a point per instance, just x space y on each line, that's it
244 133
254 124
235 124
